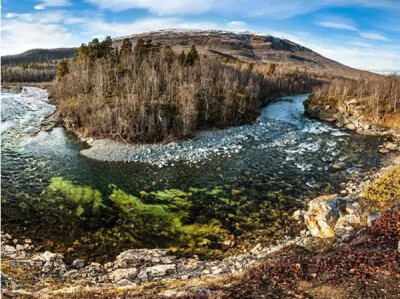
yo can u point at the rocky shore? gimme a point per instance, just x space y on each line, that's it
350 116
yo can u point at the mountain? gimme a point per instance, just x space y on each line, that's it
244 46
247 47
38 55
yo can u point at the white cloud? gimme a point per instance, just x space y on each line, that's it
335 25
372 58
373 36
11 15
274 8
156 6
51 3
361 44
99 28
39 7
19 36
237 24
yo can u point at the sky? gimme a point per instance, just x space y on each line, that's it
360 33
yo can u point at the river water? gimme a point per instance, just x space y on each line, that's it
283 158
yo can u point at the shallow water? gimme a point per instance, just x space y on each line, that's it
283 151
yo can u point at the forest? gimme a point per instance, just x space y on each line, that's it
149 93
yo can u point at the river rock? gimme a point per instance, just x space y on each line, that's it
322 214
122 274
384 150
372 217
338 166
390 146
350 126
160 270
79 263
9 249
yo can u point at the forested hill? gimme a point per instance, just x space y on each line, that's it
249 47
226 45
38 55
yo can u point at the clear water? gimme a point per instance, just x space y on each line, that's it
283 151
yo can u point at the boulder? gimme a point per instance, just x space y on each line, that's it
338 166
322 214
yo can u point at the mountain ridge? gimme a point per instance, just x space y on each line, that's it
231 45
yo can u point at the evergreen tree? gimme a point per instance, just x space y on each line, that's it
62 68
94 48
191 57
139 47
106 47
126 48
181 57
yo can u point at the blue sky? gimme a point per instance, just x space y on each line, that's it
360 33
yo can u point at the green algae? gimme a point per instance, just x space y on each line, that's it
82 220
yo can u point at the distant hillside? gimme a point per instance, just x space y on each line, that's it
246 47
38 55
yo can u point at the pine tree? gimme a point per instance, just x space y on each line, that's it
105 48
62 68
181 57
191 57
126 48
139 47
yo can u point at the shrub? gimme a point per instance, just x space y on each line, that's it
385 191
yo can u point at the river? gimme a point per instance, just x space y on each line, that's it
280 161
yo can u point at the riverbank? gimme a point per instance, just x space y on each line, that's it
349 114
334 225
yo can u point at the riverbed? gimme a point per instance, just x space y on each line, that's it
249 178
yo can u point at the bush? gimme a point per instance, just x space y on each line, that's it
385 191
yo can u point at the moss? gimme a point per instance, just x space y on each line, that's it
385 191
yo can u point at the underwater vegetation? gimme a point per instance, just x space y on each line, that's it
80 220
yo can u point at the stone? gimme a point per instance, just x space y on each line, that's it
142 276
19 247
353 208
8 249
322 214
298 214
391 146
256 248
7 236
120 274
347 223
338 166
350 126
384 150
28 241
72 274
372 217
78 264
109 265
49 256
7 283
160 270
15 241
